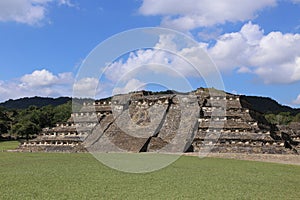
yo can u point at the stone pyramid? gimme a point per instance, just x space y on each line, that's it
204 120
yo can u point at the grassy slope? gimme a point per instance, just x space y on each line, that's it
8 145
80 176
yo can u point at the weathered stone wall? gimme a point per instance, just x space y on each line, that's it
141 121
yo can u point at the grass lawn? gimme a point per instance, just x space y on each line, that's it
81 176
8 145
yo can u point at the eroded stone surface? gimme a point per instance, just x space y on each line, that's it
150 122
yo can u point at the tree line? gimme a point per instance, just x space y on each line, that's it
25 123
282 118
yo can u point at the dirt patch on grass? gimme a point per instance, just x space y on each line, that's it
273 158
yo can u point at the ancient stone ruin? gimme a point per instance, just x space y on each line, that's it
204 120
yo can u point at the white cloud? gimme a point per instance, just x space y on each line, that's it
136 62
42 78
244 70
295 1
167 57
29 12
66 2
157 61
22 11
209 34
274 57
85 87
297 100
191 14
38 83
39 78
131 85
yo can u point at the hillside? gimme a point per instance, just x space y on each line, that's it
26 102
267 105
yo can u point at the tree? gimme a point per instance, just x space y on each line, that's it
62 112
25 128
3 127
4 122
297 118
30 121
271 118
46 115
282 118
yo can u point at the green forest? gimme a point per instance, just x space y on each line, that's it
26 123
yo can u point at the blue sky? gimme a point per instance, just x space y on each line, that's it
255 44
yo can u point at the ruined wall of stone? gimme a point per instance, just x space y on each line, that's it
142 121
238 129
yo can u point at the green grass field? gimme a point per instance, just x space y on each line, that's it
8 145
81 176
